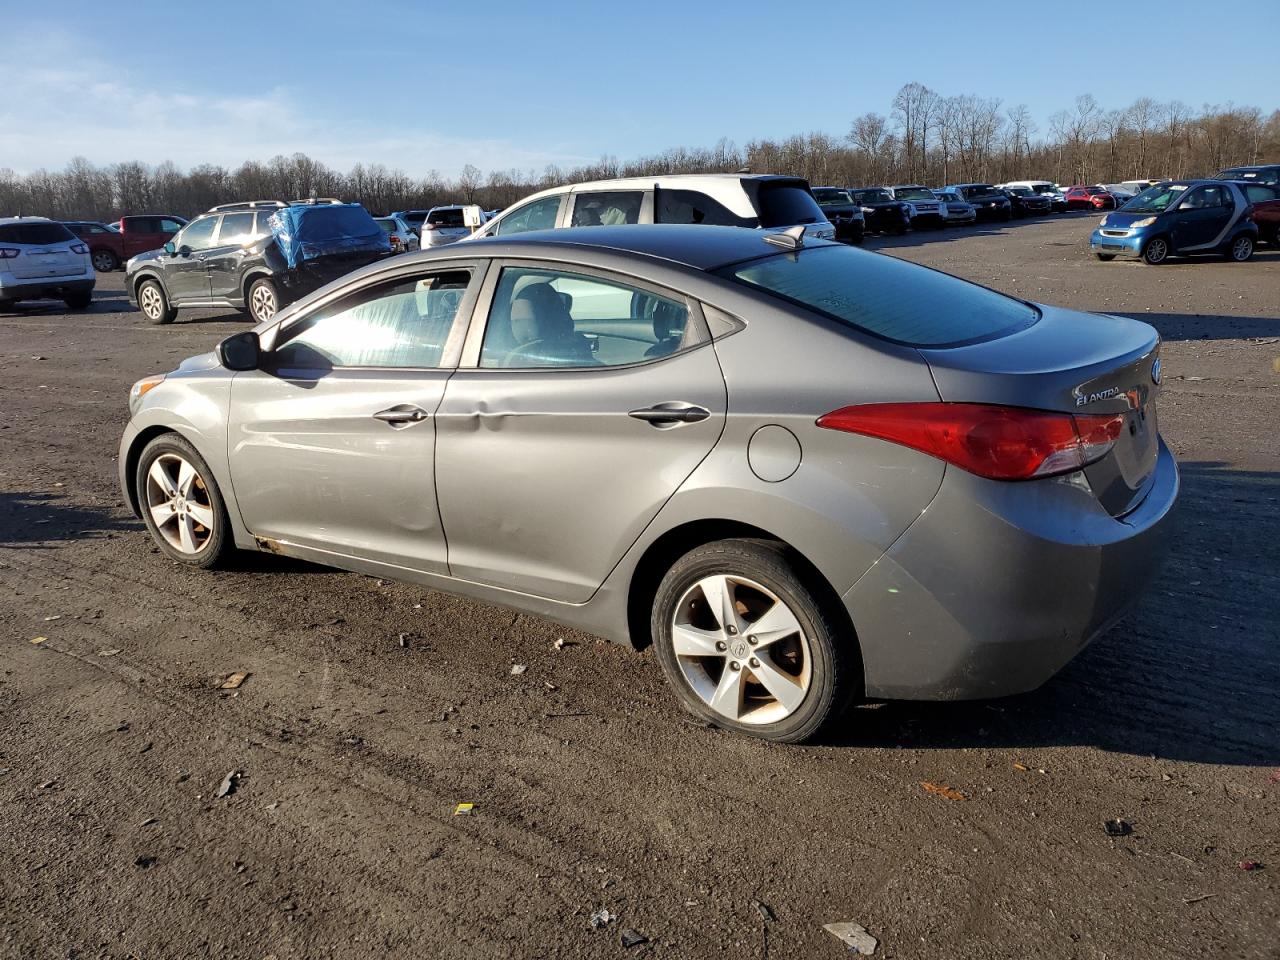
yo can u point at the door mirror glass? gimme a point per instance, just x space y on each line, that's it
184 251
240 352
170 249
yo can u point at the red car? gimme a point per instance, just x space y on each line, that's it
148 233
1266 209
106 246
1090 198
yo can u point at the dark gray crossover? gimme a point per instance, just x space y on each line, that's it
806 473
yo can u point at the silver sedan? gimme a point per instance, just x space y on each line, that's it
807 474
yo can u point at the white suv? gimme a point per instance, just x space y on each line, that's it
716 199
41 259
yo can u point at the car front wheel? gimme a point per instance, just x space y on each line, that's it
153 303
1156 251
747 645
180 502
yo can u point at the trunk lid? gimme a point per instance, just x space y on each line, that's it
1072 362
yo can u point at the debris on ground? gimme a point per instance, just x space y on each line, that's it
48 784
146 747
602 918
1250 865
1021 766
144 862
39 639
942 790
854 935
631 938
404 641
1275 777
517 669
228 785
147 822
108 653
233 681
56 616
1118 828
765 911
463 809
1204 896
561 643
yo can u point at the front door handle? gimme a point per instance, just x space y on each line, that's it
671 413
401 415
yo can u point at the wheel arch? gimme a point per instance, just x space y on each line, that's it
679 540
130 472
142 276
251 277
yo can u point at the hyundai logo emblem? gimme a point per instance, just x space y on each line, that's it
1155 371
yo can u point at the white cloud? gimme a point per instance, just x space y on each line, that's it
50 114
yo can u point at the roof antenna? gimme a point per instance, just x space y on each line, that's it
745 169
791 239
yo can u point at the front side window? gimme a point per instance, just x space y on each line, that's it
198 234
607 209
538 215
237 229
691 206
885 296
1206 198
551 318
403 323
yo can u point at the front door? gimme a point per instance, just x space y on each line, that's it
224 258
332 443
1202 217
185 273
589 402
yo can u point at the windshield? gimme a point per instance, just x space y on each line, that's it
1155 199
874 196
884 296
830 195
913 193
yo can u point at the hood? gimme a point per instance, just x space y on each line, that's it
201 361
1119 218
146 256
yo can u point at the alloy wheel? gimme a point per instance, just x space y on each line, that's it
103 261
1156 251
1241 249
262 302
151 301
179 502
741 649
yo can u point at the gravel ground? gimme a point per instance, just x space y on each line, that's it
591 788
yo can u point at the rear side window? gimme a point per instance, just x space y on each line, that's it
886 297
237 228
141 225
1259 194
690 206
787 204
167 226
36 232
606 209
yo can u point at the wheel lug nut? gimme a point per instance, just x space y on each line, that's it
732 631
755 662
752 641
734 665
721 645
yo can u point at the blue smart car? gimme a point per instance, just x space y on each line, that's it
1179 217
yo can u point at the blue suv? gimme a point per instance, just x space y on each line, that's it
1179 217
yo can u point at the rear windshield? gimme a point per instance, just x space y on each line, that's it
35 232
414 217
787 204
446 218
874 196
830 195
388 226
885 297
979 190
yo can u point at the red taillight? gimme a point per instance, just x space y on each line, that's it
1001 443
8 253
79 248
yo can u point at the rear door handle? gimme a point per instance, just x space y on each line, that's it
401 415
671 413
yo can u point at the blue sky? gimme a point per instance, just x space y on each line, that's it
425 86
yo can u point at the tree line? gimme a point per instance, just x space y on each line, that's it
925 137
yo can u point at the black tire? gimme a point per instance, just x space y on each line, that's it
219 542
1239 249
153 303
104 261
1105 257
78 301
1156 251
6 305
833 660
263 300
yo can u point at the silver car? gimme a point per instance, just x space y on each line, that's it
959 210
444 225
805 473
401 235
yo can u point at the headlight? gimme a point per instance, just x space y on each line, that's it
1102 222
143 387
1144 222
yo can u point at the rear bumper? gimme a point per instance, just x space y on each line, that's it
45 288
998 585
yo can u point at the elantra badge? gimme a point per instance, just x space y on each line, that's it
1155 371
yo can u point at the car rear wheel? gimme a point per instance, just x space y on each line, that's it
153 303
746 644
263 300
1105 257
1156 251
104 261
1241 248
78 301
181 504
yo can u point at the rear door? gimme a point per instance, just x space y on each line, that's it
581 406
332 442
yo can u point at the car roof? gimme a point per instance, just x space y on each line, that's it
24 219
692 245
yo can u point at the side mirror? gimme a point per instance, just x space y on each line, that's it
240 351
184 251
170 249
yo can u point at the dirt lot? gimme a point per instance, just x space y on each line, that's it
590 788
